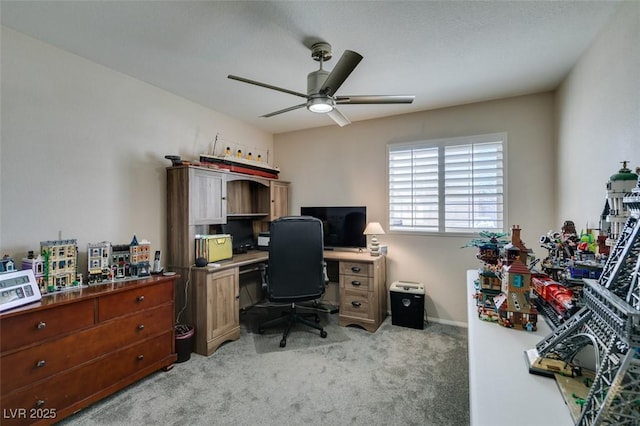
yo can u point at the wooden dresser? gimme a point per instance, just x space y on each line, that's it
74 348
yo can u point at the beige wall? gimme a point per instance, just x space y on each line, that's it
83 149
347 166
598 108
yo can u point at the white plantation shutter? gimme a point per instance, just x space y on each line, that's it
448 185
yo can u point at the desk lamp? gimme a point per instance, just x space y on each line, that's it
374 229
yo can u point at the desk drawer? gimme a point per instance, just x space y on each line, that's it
361 269
140 298
355 282
34 327
27 366
356 303
63 390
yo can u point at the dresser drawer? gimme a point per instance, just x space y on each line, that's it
355 282
356 303
26 329
63 390
27 366
121 303
362 269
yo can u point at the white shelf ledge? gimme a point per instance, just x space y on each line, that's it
502 392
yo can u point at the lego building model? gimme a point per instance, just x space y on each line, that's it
7 264
488 284
140 258
504 283
609 323
619 185
98 262
107 261
36 264
513 304
60 264
120 260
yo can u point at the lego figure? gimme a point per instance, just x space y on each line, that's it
569 239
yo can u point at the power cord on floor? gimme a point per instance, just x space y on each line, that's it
186 293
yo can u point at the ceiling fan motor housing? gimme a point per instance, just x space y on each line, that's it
315 80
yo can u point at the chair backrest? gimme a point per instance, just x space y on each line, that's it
296 260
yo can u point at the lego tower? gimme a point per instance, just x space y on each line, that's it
610 321
513 304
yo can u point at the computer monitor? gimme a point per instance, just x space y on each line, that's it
343 226
241 231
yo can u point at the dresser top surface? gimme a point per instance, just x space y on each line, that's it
85 292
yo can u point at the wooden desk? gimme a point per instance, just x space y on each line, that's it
213 294
501 390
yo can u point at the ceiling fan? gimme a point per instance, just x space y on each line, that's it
322 86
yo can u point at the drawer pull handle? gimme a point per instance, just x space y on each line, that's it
41 325
140 299
140 357
140 326
39 403
356 304
41 363
356 283
355 268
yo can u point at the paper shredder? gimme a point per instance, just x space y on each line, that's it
407 304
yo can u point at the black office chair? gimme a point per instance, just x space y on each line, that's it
296 270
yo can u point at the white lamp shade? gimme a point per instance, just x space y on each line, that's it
373 228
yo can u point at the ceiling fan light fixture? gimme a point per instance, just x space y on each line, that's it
321 105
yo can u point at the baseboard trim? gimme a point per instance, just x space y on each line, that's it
442 321
448 322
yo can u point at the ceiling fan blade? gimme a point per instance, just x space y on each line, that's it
374 99
268 86
345 66
337 116
271 114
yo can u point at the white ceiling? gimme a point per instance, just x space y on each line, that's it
443 52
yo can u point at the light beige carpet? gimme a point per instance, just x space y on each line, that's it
395 376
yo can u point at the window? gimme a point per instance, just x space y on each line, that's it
517 281
452 185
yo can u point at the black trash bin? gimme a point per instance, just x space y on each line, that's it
184 342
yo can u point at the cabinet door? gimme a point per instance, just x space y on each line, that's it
223 303
279 200
208 197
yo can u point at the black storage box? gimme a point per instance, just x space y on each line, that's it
407 304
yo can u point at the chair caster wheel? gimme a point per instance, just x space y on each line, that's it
323 334
283 343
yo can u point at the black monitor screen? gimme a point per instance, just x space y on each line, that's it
241 231
343 226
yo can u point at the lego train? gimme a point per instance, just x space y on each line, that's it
553 298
